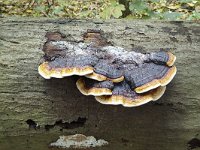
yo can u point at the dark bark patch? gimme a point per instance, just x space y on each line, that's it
193 143
173 39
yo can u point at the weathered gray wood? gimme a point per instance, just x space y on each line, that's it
166 124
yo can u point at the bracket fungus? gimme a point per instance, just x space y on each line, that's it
112 74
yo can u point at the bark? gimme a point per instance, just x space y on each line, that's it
169 123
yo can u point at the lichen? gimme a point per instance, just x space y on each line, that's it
78 141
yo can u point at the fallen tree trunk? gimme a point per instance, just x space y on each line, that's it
38 110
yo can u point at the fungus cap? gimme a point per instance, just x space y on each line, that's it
62 67
162 57
92 87
163 81
104 70
123 95
148 76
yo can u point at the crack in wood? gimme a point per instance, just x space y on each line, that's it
14 42
80 122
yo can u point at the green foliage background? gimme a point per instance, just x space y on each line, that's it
104 9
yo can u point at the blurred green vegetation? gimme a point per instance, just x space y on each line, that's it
104 9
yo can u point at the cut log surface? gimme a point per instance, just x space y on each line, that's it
35 111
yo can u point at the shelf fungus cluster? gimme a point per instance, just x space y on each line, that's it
110 73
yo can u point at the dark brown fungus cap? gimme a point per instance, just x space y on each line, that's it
124 95
62 67
92 87
106 71
148 76
162 58
52 51
54 36
96 38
